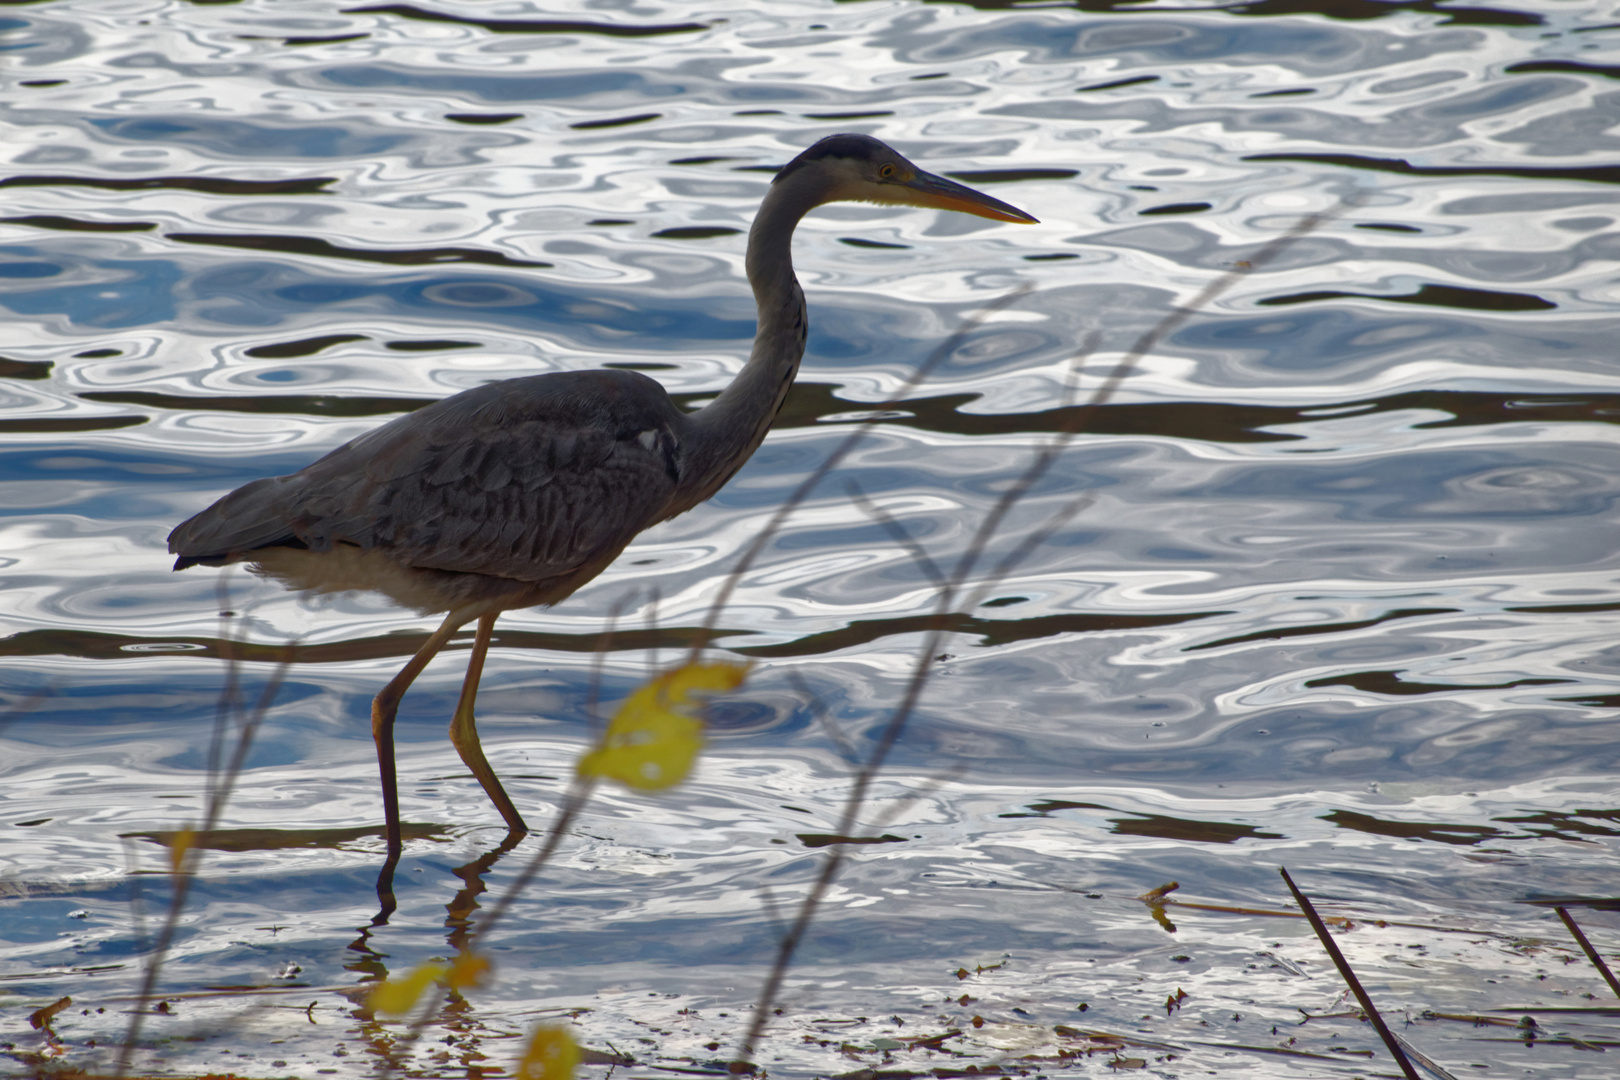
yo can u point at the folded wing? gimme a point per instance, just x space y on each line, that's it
525 479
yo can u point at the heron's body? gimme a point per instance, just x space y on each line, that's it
506 496
517 493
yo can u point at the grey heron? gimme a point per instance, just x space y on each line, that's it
516 493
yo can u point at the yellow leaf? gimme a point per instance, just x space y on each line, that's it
551 1055
179 844
653 739
398 995
468 970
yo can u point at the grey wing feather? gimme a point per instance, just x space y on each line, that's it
524 479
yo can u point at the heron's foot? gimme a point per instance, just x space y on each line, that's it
386 904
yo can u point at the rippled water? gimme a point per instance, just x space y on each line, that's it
1344 600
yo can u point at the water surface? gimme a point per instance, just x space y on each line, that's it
1343 598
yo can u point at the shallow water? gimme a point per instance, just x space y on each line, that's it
1343 596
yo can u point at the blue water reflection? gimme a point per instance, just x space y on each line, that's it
582 83
240 139
101 292
1328 582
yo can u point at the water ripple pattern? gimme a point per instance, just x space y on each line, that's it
1344 596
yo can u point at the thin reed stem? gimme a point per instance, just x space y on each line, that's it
1395 1049
1591 953
579 793
801 493
187 862
951 589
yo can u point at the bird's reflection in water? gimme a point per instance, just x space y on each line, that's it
372 965
459 911
465 903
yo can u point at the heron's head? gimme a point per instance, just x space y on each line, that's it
859 168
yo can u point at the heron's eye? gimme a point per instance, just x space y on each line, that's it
887 172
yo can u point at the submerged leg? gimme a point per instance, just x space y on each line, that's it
464 734
383 709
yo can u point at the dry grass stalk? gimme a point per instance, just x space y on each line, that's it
954 590
1591 953
1395 1049
186 850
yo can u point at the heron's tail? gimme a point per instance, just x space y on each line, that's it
249 518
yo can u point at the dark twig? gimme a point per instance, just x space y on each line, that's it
848 820
951 590
1423 1059
229 701
818 709
864 776
746 561
186 861
137 897
1350 979
785 948
930 784
897 532
773 911
1045 458
652 629
22 708
789 942
1081 417
604 644
579 793
1591 953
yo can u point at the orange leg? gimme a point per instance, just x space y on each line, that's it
464 732
385 706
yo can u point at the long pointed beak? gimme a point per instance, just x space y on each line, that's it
936 191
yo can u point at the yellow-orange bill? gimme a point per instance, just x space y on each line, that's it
936 191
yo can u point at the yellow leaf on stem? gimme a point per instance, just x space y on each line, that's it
552 1055
468 970
398 995
654 738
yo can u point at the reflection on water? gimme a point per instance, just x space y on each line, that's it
1343 598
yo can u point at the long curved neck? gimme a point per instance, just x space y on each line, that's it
725 433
